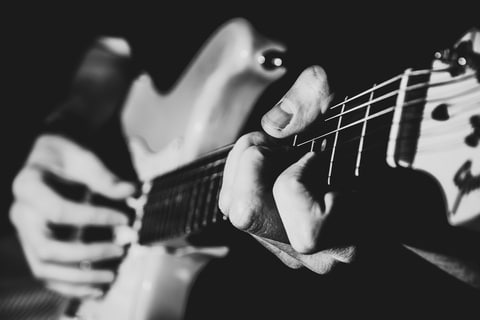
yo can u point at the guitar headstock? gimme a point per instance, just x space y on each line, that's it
448 145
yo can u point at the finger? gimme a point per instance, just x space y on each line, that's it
252 208
35 233
303 213
300 106
320 262
344 254
29 188
231 166
74 290
75 163
73 275
67 252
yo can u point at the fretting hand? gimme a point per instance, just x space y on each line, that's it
273 203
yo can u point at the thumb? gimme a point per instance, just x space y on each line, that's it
302 104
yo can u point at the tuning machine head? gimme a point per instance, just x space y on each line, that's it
460 58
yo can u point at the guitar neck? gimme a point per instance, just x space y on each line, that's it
353 140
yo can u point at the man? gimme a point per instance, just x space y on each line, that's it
338 290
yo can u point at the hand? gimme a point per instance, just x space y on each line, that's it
274 204
37 207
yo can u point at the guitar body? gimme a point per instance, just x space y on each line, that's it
206 110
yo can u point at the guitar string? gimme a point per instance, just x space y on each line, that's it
394 92
385 111
414 73
426 133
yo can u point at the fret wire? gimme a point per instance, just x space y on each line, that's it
330 168
177 201
208 201
216 211
181 201
187 226
190 200
198 214
192 204
216 190
161 225
167 212
365 104
373 116
200 204
199 208
208 181
364 128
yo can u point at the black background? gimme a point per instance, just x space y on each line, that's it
358 45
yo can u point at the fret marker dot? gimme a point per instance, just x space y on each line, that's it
323 146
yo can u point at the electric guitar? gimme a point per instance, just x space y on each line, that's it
427 120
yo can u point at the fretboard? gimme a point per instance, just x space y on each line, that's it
185 200
352 138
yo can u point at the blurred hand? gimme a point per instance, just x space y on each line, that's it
64 265
274 203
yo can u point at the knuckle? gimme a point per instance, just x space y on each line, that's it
254 154
44 253
304 242
58 212
326 266
287 183
252 138
15 214
223 201
317 73
20 185
38 271
242 216
345 254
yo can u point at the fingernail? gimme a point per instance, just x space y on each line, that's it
279 117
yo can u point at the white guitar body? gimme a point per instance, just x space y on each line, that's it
206 110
